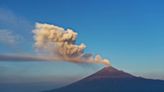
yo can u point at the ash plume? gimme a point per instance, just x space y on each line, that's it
61 43
54 43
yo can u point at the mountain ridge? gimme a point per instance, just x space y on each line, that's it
110 79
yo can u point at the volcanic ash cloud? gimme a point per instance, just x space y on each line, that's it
59 43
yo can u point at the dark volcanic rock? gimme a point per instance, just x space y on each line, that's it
110 79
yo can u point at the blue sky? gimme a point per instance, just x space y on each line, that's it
128 32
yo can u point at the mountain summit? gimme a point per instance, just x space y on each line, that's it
109 79
109 72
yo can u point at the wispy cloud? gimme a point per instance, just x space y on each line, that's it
8 37
7 17
13 27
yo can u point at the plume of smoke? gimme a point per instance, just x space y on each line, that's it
56 44
11 57
61 44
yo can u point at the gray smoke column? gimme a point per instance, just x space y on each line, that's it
26 58
60 44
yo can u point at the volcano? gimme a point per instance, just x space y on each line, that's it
110 79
